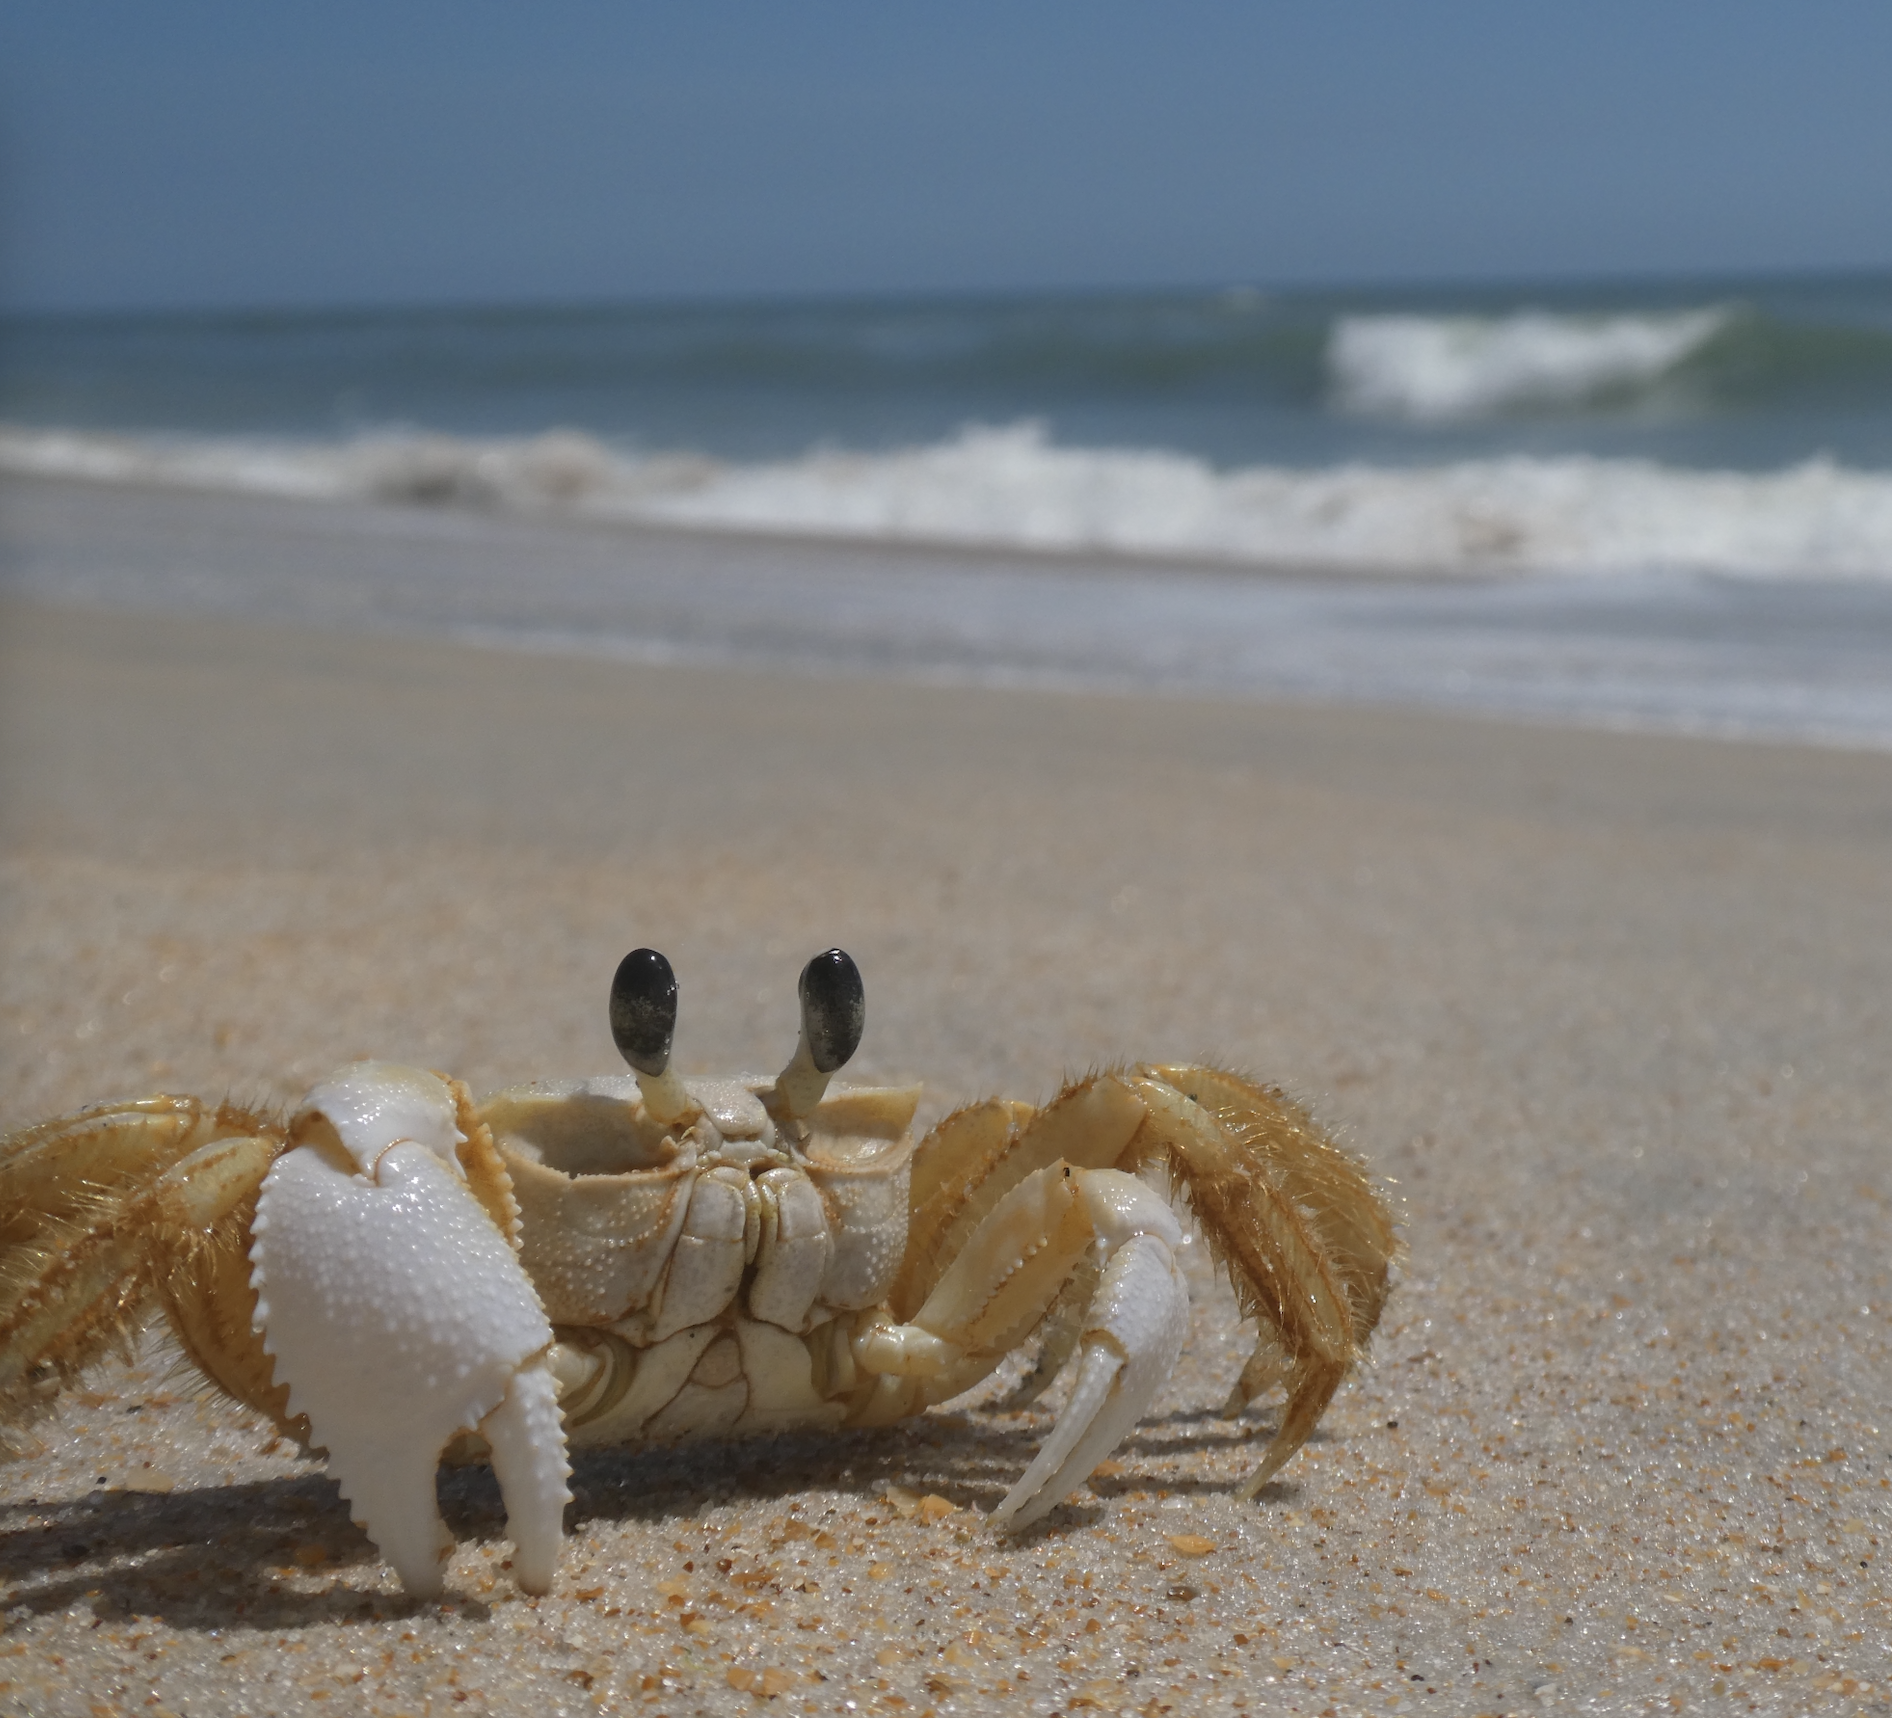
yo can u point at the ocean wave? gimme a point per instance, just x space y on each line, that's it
1437 369
1012 488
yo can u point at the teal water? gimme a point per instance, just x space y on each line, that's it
1710 374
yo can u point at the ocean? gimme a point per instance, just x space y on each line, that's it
1654 504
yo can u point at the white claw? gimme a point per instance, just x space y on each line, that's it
1135 1329
527 1439
398 1315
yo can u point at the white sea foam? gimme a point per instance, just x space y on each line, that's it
1441 368
1012 488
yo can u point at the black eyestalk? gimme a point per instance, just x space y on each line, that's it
644 1010
833 1016
643 1023
833 1009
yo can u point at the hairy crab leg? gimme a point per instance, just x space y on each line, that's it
398 1314
1335 1192
1283 1265
111 1204
63 1171
1013 1271
975 1157
1305 1238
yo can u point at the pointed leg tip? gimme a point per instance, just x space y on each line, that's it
1007 1512
1251 1487
1020 1509
424 1586
1009 1522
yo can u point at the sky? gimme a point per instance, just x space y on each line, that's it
221 153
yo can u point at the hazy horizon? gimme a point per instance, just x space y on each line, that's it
1639 287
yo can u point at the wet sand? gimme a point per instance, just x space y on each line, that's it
1613 1012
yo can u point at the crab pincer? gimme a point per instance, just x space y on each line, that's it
393 1303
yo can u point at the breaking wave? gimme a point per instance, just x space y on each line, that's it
1012 488
1435 369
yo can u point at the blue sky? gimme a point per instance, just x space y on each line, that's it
206 152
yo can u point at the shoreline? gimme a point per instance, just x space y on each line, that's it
1802 662
1103 560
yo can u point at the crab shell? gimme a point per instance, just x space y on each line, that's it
703 1282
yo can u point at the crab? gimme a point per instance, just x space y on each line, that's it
395 1274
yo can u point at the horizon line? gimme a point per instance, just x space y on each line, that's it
1309 287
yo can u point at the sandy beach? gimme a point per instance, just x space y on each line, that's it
1611 1014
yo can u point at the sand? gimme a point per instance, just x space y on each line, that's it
1610 1012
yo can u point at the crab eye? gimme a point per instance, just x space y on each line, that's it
833 1009
644 1010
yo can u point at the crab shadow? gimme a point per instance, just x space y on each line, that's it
206 1559
971 1457
243 1555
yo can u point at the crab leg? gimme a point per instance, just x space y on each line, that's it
1012 1272
1135 1330
398 1315
1307 1244
96 1211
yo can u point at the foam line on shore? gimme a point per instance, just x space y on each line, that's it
1012 488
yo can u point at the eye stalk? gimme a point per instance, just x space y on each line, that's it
833 1016
643 1023
644 1010
833 1009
